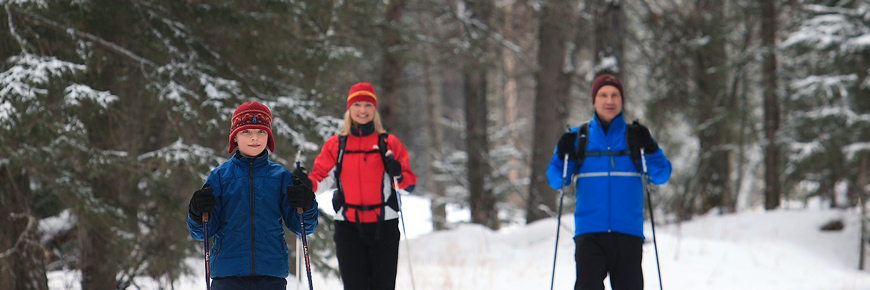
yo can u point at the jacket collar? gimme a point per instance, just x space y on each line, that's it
258 161
617 122
363 130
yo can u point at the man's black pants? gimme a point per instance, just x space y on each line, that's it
598 254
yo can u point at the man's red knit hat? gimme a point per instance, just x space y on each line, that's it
362 92
249 116
607 80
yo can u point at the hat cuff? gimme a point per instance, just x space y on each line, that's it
269 143
362 96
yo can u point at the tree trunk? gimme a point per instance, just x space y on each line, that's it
862 195
22 259
609 36
551 99
436 150
482 201
391 73
772 189
716 105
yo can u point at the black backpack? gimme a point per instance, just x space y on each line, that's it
338 201
583 142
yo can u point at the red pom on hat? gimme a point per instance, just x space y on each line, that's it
606 80
249 116
362 92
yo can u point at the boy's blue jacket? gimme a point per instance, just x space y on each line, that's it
609 188
246 223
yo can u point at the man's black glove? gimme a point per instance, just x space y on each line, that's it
639 137
203 201
300 194
394 168
567 146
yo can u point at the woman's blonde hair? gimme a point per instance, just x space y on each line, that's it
345 130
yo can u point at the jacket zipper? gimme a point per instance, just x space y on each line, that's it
251 175
610 194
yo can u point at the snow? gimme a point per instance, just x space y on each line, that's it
755 249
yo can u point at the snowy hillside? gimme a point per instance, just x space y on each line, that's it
783 249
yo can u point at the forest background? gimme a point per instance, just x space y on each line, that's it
113 112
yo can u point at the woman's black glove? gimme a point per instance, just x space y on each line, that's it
394 168
300 193
639 137
203 201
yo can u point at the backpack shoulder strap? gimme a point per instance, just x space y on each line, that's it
342 142
582 142
382 147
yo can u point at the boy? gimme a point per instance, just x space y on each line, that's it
247 198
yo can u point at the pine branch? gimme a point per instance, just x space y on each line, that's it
97 39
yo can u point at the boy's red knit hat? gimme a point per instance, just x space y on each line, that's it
607 80
249 116
362 92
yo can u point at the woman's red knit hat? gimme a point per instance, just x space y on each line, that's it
362 92
248 116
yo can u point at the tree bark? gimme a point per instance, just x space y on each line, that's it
22 259
482 200
715 106
862 193
391 73
551 98
773 188
609 37
436 150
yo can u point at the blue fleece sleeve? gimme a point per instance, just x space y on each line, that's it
556 170
658 167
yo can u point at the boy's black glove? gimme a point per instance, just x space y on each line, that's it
567 146
300 193
203 200
394 168
639 137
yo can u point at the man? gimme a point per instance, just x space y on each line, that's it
605 159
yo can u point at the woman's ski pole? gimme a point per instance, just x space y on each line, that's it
559 218
303 234
402 219
651 218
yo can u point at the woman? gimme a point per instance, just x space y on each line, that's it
364 161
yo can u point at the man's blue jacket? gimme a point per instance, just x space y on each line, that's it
246 223
609 187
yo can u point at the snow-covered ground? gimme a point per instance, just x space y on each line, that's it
782 249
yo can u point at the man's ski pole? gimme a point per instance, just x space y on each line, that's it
559 218
651 218
303 234
402 219
205 247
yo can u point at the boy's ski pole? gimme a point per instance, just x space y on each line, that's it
402 219
651 218
205 247
302 229
559 218
298 262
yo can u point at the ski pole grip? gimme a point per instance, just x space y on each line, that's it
643 159
204 217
